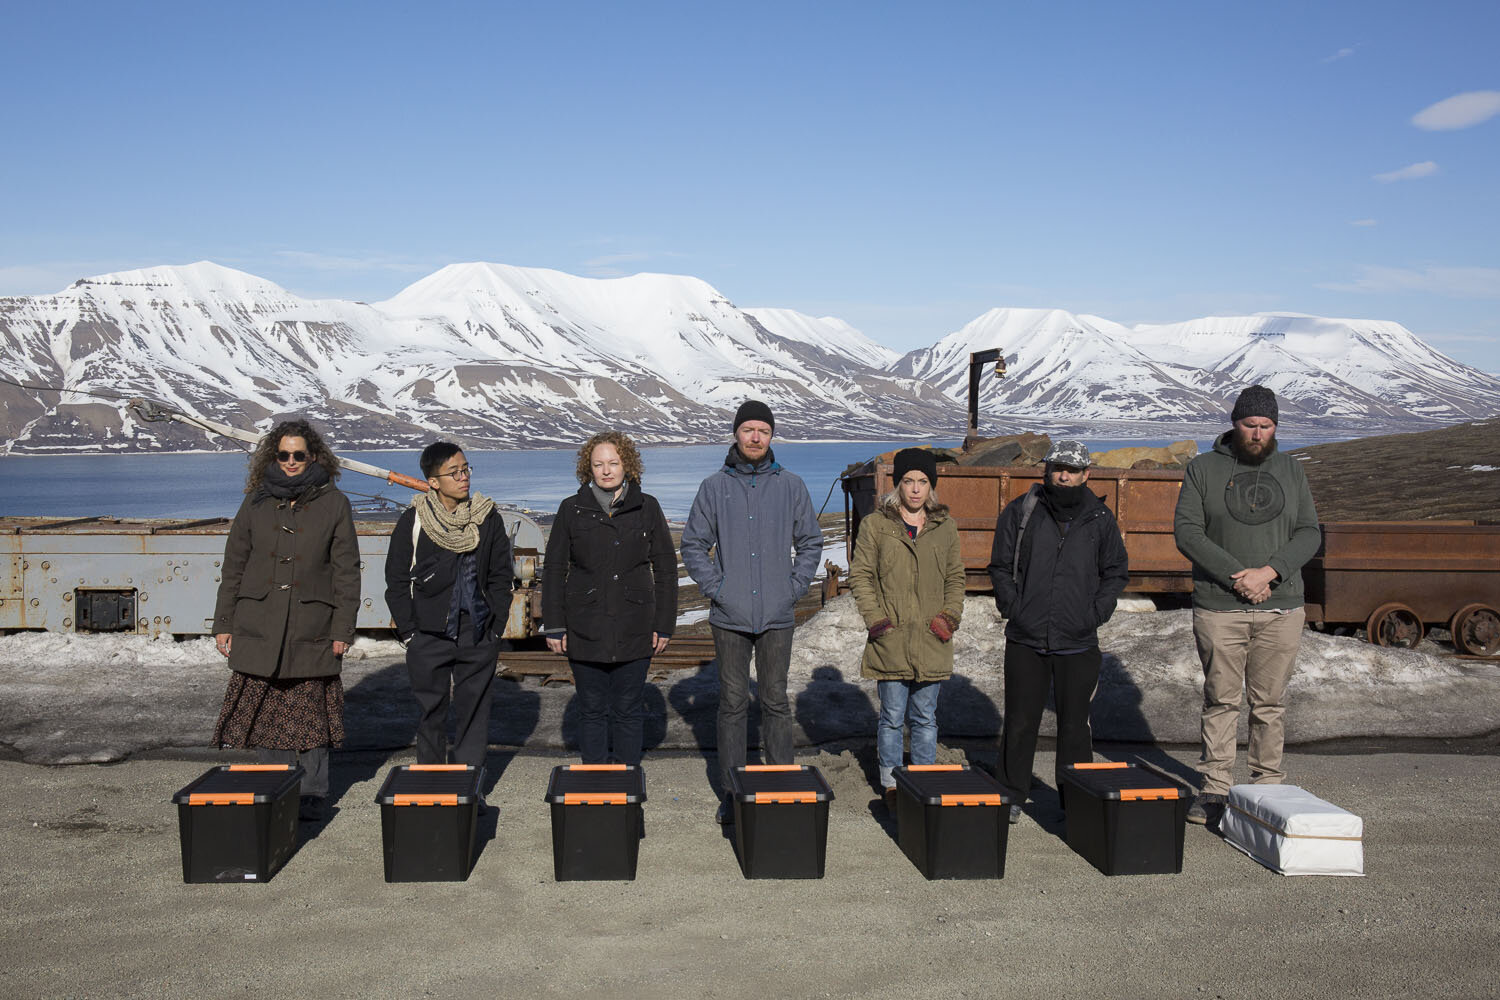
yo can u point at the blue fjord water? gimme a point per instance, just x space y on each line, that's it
210 485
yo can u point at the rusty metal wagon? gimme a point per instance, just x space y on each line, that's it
1394 578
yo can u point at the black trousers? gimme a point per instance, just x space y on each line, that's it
434 664
611 703
1072 678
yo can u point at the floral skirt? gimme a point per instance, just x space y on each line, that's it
281 714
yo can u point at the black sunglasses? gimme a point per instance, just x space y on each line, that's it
291 456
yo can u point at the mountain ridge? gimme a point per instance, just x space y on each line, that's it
497 355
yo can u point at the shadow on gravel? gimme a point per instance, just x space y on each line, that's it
965 711
695 699
830 708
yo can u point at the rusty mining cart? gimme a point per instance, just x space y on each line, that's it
1392 578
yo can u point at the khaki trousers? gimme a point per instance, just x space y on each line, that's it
1245 652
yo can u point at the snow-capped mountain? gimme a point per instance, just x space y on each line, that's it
1328 372
500 356
493 355
1330 367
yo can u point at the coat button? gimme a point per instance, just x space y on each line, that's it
615 577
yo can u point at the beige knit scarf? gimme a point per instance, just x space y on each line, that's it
456 530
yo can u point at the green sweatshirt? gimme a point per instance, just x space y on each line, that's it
1232 516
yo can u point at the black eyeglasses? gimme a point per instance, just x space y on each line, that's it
463 473
291 456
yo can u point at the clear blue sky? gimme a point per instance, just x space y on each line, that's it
902 166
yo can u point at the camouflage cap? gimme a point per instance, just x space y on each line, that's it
1070 453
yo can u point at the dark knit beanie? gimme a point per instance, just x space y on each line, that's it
754 409
1256 401
915 460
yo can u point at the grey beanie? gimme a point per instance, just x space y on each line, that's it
1073 454
1256 401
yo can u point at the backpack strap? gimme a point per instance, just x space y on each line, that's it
416 533
1028 504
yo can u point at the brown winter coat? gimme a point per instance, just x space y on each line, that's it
910 581
290 578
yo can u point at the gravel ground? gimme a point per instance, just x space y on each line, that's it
94 905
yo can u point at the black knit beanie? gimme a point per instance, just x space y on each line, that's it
1256 401
915 460
754 409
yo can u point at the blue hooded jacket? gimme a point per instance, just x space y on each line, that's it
739 540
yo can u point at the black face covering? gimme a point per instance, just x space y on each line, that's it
276 483
1064 501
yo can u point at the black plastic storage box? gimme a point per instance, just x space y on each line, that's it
428 817
238 822
596 821
1123 820
953 821
780 820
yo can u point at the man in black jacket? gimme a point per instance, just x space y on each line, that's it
1058 565
448 586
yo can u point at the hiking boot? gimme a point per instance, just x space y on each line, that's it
889 796
1207 809
725 815
1015 814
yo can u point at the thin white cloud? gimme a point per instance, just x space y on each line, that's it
1362 222
1453 282
1343 53
614 265
334 262
1424 169
1459 111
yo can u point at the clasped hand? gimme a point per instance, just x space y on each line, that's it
1254 585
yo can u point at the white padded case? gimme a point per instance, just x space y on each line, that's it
1292 831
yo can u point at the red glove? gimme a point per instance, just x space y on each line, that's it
880 628
942 626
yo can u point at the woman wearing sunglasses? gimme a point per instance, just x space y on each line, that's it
288 596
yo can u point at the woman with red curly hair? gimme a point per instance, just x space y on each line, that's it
609 594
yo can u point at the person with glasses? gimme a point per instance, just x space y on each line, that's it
609 595
448 587
288 597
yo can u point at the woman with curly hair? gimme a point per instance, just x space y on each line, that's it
609 594
288 596
907 578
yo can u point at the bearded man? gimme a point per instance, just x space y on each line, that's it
1245 518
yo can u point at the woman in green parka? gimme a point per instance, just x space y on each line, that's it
907 576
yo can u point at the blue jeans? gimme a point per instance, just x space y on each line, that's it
902 702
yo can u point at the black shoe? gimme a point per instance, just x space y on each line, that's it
1207 809
725 815
312 809
1015 814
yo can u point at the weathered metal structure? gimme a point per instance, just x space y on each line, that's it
1392 578
161 577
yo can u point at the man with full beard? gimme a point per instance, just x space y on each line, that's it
1245 518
